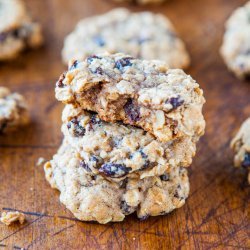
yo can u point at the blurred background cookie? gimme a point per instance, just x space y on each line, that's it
17 30
13 110
236 42
142 35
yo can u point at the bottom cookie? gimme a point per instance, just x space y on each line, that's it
241 146
93 198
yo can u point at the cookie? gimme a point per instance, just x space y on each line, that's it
241 146
13 111
165 102
17 31
93 198
142 35
236 42
140 1
117 151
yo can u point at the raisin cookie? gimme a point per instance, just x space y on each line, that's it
116 151
17 31
236 43
165 102
93 198
241 146
13 111
140 1
143 35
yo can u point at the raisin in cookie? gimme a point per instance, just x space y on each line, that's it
116 151
17 31
140 1
143 35
13 111
241 146
93 198
236 43
166 102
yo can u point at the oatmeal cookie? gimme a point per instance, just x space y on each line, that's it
17 31
241 146
166 102
236 43
142 35
13 110
94 198
116 151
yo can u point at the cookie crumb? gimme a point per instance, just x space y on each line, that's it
40 161
10 217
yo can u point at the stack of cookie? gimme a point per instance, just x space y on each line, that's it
130 130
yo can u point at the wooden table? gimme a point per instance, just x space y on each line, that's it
217 213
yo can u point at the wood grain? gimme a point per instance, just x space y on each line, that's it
217 213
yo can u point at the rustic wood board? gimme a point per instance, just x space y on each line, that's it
217 213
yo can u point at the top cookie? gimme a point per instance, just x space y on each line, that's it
142 35
167 103
17 31
241 146
236 43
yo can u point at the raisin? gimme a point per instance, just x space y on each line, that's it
147 165
84 165
99 41
165 177
99 71
16 33
60 83
96 161
176 194
93 177
94 120
114 170
246 161
132 111
77 129
125 207
91 58
123 62
175 102
144 156
74 65
94 158
124 183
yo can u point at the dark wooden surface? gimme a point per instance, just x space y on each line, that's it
217 213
